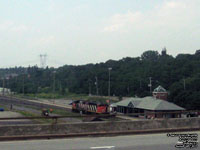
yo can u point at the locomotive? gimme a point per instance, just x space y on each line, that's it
89 107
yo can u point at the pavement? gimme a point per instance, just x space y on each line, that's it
128 117
132 142
10 114
36 109
59 102
7 114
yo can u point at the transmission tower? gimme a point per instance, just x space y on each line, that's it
43 59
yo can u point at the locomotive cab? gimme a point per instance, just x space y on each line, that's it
102 108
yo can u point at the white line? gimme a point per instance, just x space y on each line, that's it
102 147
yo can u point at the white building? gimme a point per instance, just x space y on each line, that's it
5 91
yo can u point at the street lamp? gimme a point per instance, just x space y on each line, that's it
109 69
54 81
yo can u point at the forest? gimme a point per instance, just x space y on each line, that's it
129 76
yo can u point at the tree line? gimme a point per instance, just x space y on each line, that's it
129 76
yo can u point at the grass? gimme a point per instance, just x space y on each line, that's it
26 114
64 113
67 113
40 95
70 96
4 107
29 114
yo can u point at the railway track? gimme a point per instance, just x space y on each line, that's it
31 103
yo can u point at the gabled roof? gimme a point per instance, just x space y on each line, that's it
159 89
126 102
149 103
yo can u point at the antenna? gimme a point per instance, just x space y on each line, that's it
43 59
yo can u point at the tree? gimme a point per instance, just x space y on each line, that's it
150 55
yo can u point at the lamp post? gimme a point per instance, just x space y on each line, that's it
96 83
54 82
109 69
23 83
3 86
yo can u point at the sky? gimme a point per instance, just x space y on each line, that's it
77 32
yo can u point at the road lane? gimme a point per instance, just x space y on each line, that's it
132 142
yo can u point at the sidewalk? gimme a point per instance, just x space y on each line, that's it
127 118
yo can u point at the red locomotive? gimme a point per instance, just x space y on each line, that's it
89 107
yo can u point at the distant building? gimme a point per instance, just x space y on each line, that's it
4 91
150 106
160 93
9 76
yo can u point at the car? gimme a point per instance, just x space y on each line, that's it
192 114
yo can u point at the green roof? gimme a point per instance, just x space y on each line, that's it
126 102
149 103
159 89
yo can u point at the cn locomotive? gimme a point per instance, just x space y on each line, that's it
89 107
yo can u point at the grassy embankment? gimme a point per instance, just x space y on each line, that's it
100 99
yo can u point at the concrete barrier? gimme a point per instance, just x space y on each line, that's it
119 126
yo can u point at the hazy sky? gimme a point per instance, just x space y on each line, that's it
91 31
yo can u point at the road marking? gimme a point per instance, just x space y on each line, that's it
102 147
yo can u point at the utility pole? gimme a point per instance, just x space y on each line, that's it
3 86
23 84
54 82
150 84
97 85
23 76
89 87
109 69
128 89
184 84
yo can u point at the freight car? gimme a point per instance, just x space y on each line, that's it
89 107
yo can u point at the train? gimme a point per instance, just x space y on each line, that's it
90 107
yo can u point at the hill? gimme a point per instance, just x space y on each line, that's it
180 75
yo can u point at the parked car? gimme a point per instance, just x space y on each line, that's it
192 114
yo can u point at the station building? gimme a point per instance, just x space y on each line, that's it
156 106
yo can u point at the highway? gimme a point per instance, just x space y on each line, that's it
132 142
